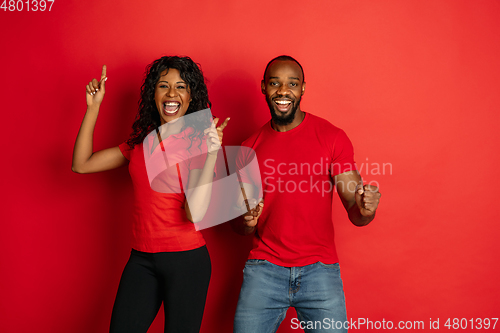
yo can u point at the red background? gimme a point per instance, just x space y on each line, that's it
415 84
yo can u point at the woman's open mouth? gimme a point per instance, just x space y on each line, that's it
171 108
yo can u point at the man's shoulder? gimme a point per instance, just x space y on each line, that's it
324 125
250 141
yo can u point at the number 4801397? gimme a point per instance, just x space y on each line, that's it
27 5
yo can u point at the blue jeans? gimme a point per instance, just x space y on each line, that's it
268 290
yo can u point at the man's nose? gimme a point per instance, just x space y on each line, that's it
282 90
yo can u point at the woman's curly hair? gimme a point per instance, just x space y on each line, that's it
148 117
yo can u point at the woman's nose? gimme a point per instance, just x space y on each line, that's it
172 92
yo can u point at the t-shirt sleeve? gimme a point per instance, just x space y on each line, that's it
342 155
247 166
241 161
125 149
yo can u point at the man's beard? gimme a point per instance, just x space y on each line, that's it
282 120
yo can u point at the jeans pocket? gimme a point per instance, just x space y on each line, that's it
333 266
255 262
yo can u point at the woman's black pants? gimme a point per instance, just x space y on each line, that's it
179 280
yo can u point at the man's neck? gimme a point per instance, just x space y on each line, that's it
299 117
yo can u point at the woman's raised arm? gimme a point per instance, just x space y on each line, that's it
84 159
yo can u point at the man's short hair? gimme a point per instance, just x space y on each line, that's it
285 57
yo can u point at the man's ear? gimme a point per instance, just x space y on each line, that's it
263 87
303 88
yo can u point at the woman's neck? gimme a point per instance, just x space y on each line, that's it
170 128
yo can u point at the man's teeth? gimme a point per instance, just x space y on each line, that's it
283 102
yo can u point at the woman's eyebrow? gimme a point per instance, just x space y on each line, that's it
167 81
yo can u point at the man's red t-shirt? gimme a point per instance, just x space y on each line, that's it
296 169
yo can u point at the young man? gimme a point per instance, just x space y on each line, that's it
293 262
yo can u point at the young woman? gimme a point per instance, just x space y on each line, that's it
169 262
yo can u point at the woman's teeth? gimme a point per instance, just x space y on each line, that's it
171 107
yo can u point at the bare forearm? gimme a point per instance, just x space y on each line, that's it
85 160
246 224
198 197
240 226
84 141
357 218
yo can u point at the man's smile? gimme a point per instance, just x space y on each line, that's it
282 104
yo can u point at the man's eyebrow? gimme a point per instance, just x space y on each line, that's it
290 77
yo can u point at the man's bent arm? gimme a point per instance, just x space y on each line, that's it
246 224
360 201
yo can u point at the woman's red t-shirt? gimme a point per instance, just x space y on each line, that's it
160 222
